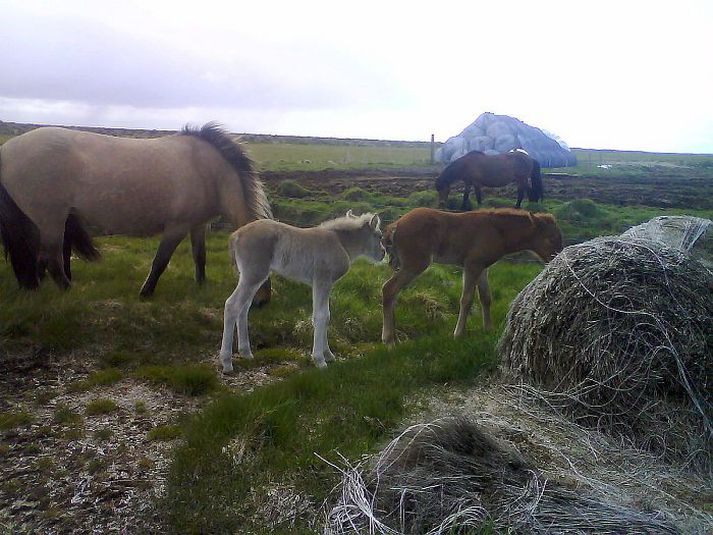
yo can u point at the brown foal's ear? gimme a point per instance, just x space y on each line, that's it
375 222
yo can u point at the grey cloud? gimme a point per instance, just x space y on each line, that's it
67 60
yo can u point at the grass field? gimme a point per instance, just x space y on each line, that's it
248 459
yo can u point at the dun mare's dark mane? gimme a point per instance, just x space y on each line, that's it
236 156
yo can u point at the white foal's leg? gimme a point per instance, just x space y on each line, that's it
320 319
244 299
230 316
236 313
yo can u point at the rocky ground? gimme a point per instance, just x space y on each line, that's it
71 470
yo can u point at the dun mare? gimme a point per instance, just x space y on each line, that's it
473 240
317 256
477 169
54 181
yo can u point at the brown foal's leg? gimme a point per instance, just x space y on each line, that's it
471 274
485 299
389 291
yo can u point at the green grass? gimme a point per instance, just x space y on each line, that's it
348 408
105 377
316 156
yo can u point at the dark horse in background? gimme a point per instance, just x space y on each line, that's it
477 169
54 181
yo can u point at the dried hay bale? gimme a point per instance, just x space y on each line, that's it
691 235
451 476
618 332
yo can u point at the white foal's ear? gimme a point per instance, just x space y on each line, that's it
350 214
375 222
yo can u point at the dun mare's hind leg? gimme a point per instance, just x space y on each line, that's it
51 255
169 242
198 249
263 294
471 276
67 255
389 291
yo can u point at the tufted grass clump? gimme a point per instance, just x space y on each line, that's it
13 419
100 406
186 379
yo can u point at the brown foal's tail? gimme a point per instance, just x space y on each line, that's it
19 238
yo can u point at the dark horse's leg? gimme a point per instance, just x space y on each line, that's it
522 187
466 201
169 242
478 195
198 248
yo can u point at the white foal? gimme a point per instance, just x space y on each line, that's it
317 256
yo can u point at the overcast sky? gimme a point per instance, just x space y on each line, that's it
608 74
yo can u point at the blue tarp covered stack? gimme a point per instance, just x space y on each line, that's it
495 134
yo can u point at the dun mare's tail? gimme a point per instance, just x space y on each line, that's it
77 237
537 190
19 238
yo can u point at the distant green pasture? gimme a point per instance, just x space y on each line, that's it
292 156
627 163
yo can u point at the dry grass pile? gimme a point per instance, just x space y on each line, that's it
618 333
452 476
691 235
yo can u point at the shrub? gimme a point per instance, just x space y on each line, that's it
290 188
100 406
164 433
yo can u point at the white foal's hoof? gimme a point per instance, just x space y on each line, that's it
227 364
320 362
